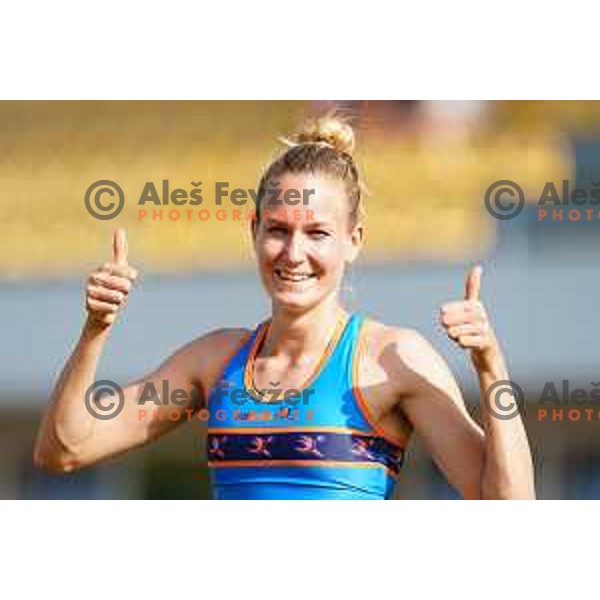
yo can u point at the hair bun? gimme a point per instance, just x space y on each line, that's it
330 130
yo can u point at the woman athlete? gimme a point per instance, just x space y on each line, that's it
354 388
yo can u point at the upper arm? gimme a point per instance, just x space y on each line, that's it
432 401
148 412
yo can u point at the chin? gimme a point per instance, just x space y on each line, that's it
295 302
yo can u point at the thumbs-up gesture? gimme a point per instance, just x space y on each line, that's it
108 286
466 322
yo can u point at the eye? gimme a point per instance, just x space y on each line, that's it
319 234
276 229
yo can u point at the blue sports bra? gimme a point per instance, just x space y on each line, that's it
316 443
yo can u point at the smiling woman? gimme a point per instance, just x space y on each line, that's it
370 385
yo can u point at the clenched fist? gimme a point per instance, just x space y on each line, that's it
108 286
466 322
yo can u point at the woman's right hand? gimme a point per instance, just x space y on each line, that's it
107 288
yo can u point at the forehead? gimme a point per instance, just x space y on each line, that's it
325 197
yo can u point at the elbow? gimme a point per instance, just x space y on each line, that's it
57 463
54 453
508 490
512 480
507 495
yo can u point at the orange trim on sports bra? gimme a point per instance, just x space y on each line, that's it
298 429
226 362
331 345
298 463
360 397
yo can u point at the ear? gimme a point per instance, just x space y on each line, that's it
355 242
254 229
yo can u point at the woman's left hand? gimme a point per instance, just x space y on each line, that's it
466 321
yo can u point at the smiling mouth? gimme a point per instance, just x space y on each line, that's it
290 277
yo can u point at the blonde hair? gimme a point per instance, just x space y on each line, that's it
321 146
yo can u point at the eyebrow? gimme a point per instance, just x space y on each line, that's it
275 221
320 224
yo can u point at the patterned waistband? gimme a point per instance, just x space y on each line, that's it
301 448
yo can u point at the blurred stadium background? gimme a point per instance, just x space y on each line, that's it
427 166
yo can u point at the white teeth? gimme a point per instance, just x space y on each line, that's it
292 276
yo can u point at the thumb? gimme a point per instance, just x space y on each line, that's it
120 247
473 285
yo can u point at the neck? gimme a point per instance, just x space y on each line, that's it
296 334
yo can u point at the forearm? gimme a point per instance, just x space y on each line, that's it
67 424
507 466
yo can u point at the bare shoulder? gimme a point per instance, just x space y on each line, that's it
385 341
404 353
200 362
221 340
212 350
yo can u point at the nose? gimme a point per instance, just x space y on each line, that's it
294 248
